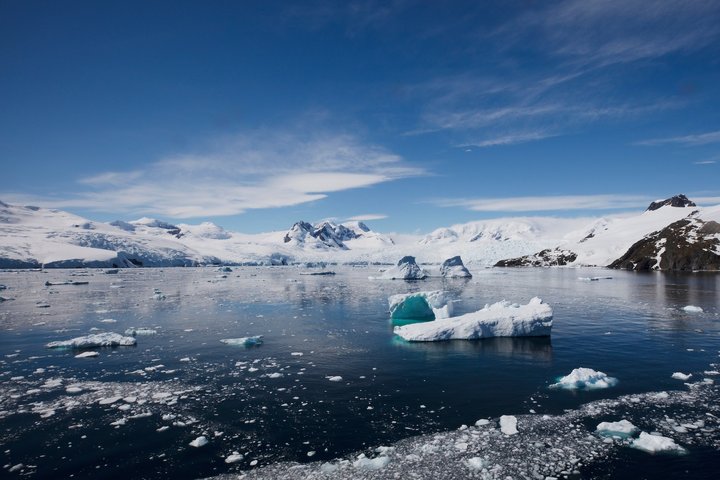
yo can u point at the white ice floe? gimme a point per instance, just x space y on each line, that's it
244 341
475 463
420 305
501 319
234 457
335 378
656 444
454 268
585 379
200 441
94 340
406 269
140 331
623 427
87 355
377 463
692 309
681 376
508 425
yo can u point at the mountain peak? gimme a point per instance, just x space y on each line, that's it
675 201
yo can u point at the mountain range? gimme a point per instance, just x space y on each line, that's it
672 234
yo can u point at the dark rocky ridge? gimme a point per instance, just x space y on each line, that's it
686 245
545 258
676 201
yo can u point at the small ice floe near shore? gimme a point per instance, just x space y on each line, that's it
593 279
585 379
692 309
502 319
420 306
244 341
508 425
681 376
94 340
656 444
134 332
321 273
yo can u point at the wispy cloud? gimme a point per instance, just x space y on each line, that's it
705 162
689 140
547 203
511 139
577 46
367 217
250 171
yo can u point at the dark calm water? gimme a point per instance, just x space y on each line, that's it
276 402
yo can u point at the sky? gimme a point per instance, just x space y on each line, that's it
409 115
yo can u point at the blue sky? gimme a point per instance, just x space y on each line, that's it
414 115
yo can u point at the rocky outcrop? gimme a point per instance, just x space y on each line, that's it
686 245
676 201
454 268
545 258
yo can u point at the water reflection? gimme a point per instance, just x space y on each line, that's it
530 348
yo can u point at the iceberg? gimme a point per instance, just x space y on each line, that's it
406 269
420 306
585 379
244 341
501 319
454 268
94 340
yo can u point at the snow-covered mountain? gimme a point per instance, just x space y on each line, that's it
674 227
33 237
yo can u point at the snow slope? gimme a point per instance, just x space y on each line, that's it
33 237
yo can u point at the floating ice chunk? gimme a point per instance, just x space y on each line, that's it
335 378
377 463
623 427
94 340
501 319
585 379
275 375
482 422
244 341
406 269
87 355
140 331
656 443
508 425
112 271
109 400
200 441
108 320
420 306
681 376
454 268
692 309
475 463
234 457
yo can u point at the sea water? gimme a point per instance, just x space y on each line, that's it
329 380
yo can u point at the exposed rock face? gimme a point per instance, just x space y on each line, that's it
545 258
454 268
686 245
676 201
327 233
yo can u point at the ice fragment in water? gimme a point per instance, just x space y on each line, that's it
656 444
420 306
585 379
244 341
94 340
